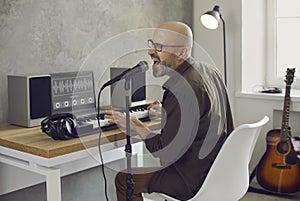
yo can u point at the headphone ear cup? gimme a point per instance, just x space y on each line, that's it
52 130
60 126
69 127
49 128
59 130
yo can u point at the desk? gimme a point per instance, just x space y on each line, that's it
34 151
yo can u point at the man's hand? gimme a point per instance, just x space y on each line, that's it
135 124
154 109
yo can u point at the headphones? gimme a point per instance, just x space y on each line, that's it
60 126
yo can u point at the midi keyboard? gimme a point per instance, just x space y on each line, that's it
88 124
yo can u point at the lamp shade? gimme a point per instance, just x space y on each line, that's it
211 19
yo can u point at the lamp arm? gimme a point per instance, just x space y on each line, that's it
224 42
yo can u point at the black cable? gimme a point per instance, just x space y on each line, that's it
99 148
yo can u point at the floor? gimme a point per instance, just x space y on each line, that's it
256 196
260 197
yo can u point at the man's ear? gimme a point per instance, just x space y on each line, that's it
183 53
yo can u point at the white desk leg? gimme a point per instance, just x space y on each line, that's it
138 149
53 182
53 185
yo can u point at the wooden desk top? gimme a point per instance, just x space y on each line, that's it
34 141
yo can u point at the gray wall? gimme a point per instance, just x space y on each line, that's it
42 36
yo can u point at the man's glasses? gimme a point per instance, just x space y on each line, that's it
159 47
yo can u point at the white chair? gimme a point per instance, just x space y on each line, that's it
228 178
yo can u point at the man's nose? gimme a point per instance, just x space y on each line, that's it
151 51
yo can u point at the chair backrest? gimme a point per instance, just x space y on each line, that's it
228 178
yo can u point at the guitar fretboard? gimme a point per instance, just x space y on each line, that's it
285 131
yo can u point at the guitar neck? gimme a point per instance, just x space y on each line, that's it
285 131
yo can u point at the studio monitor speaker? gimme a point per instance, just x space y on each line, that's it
29 99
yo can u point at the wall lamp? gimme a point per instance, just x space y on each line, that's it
211 20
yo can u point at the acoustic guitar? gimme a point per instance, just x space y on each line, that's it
279 168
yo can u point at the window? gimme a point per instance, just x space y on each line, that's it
283 40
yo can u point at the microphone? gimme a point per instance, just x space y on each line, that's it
142 66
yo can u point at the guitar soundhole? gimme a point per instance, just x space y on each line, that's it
283 147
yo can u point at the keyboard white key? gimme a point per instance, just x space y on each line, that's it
103 122
140 114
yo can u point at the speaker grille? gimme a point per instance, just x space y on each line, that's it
40 97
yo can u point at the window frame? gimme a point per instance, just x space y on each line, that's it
271 74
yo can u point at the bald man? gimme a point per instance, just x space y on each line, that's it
195 114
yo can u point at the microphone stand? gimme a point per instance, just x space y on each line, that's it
128 148
127 75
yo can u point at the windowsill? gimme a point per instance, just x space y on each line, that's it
295 95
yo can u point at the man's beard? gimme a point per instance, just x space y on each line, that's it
163 70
